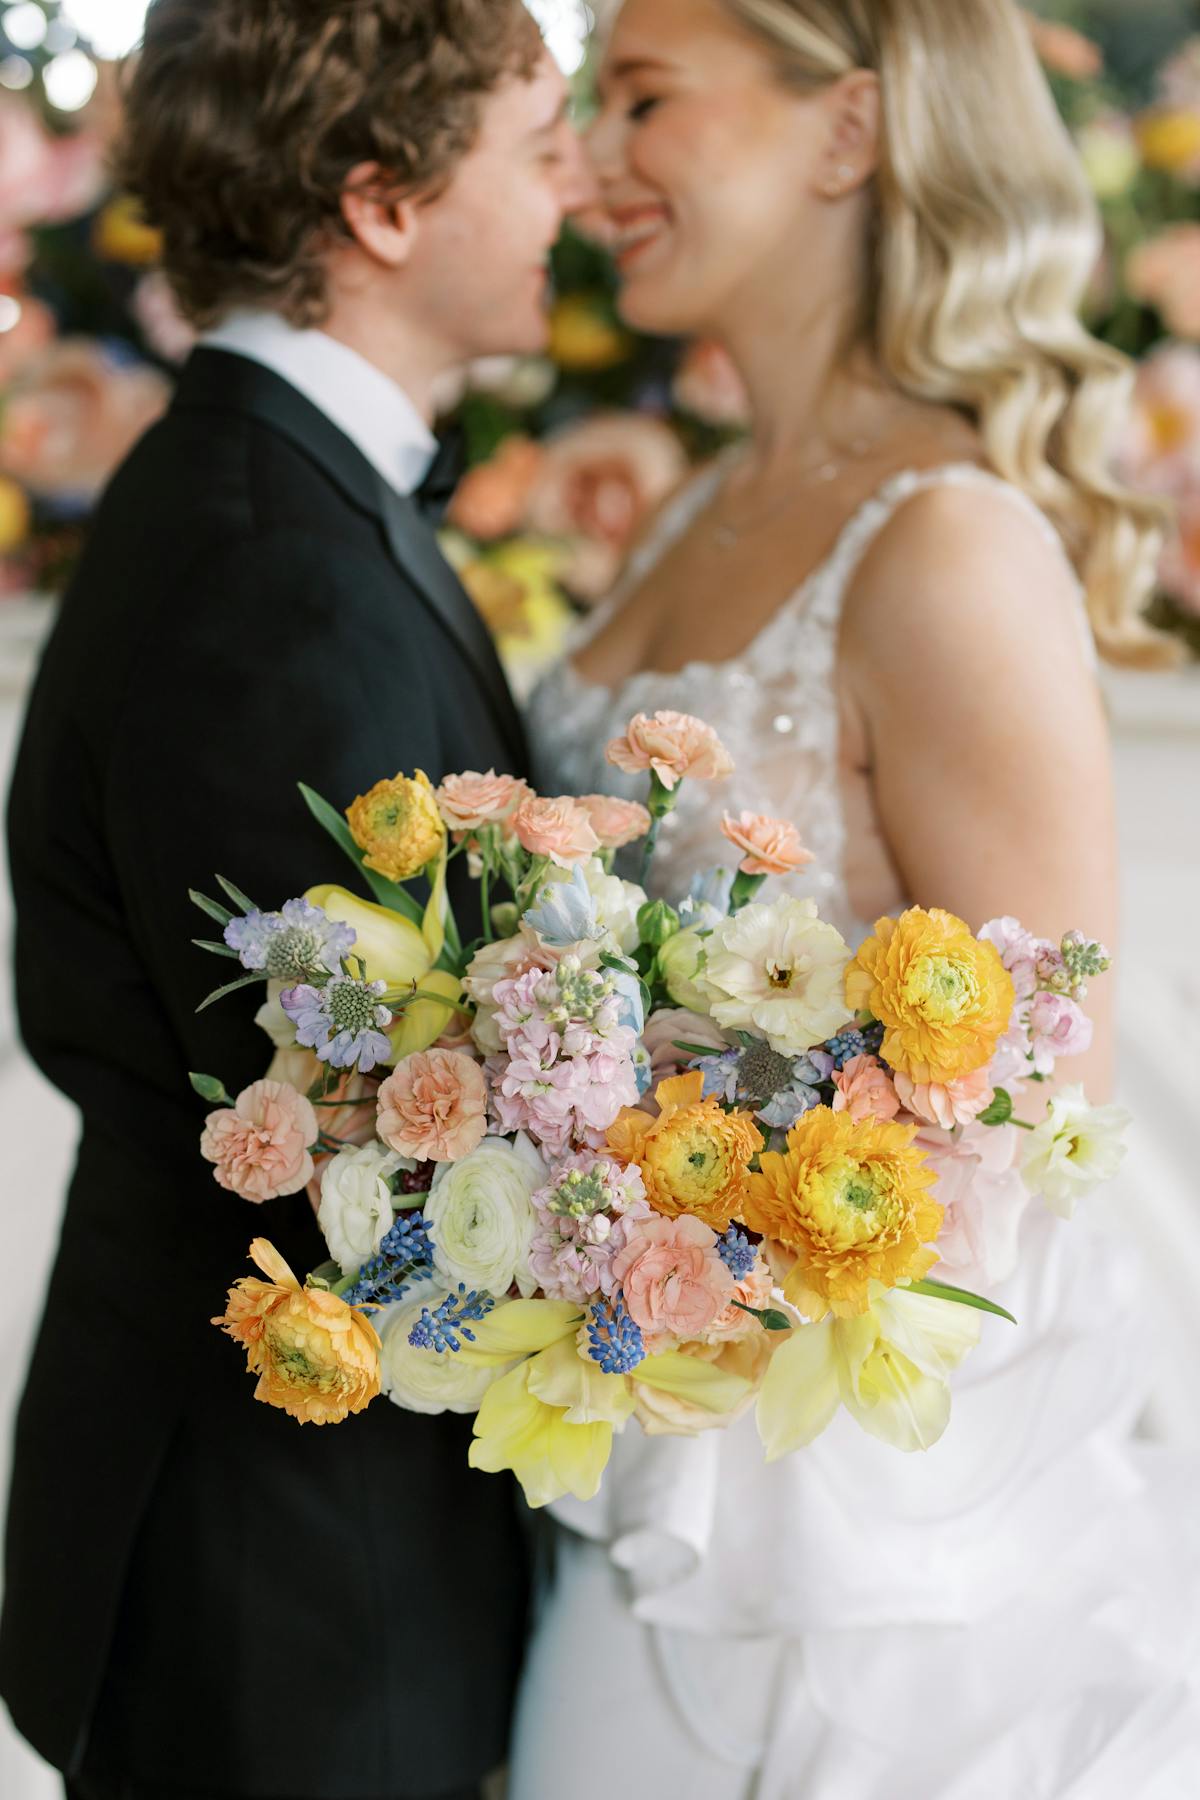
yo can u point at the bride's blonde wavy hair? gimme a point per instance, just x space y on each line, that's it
985 240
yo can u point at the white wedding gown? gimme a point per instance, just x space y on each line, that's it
1011 1616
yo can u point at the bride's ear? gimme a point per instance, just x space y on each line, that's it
855 124
381 222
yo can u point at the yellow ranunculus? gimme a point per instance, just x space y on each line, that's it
397 952
1170 140
850 1199
944 996
315 1357
398 827
889 1368
694 1156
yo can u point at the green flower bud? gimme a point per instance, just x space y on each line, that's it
656 922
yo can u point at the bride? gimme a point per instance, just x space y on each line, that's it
886 604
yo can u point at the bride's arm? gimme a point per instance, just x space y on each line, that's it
989 754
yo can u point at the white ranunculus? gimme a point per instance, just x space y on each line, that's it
1074 1149
780 970
481 1219
356 1211
272 1019
429 1381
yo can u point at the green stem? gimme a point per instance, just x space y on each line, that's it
648 849
1022 1124
485 896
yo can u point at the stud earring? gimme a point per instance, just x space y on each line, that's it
836 188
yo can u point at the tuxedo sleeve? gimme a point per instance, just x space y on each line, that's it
287 659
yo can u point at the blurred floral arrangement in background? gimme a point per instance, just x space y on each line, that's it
569 452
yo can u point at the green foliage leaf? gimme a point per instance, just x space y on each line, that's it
695 1049
940 1290
232 988
387 893
236 895
215 949
213 908
1000 1111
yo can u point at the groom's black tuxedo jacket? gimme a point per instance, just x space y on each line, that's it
199 1591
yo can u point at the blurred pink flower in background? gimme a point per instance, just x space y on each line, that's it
33 328
708 385
73 415
1161 450
1179 79
44 179
1065 51
598 483
492 498
1179 570
1164 272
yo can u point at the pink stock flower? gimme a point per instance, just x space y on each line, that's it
615 822
261 1146
980 1187
567 1070
1057 1027
769 846
674 1282
585 1214
707 385
1019 951
1164 272
1179 570
492 497
946 1103
492 964
470 800
433 1107
1161 449
558 828
865 1090
672 745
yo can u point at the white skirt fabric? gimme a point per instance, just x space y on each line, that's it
1011 1616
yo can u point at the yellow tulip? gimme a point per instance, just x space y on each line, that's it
889 1368
395 951
703 1384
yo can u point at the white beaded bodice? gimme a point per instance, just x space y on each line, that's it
774 706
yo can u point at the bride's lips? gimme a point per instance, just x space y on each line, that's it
636 229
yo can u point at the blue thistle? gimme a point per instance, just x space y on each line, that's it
737 1253
614 1341
442 1328
405 1255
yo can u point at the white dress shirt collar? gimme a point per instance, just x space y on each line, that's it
367 405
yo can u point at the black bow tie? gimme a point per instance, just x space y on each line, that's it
447 469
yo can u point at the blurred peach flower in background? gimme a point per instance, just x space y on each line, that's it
1161 448
73 415
492 498
1179 570
1063 50
1164 272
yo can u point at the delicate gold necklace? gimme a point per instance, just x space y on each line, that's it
728 533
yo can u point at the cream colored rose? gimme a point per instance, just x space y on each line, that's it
429 1381
481 1219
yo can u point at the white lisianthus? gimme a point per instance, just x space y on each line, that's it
271 1018
430 1381
481 1218
1074 1149
778 970
356 1211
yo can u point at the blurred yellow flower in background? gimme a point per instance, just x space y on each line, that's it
122 235
1170 140
16 516
585 336
315 1357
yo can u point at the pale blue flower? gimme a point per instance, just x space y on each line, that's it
291 945
566 913
342 1022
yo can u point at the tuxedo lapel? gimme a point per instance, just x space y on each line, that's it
221 380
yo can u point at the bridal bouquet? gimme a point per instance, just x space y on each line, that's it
616 1159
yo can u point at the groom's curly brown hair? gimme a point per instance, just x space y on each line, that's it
243 119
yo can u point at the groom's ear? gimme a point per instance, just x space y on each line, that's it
381 221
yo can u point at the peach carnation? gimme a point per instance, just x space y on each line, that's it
865 1090
755 1289
670 745
469 801
769 846
615 822
946 1103
491 498
261 1146
433 1107
559 829
674 1282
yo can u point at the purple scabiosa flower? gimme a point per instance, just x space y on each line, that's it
292 945
342 1022
781 1089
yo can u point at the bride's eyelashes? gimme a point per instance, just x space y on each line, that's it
641 109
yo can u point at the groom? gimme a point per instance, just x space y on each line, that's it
204 1598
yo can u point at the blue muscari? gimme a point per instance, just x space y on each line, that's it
848 1044
614 1341
442 1328
737 1253
404 1256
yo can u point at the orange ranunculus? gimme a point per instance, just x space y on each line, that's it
849 1200
944 996
315 1357
694 1156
